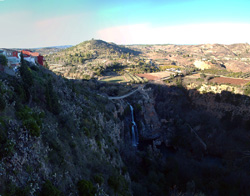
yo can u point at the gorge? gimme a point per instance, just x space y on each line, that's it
64 136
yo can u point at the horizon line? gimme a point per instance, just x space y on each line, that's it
135 44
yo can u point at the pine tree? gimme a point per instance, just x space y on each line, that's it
26 73
51 99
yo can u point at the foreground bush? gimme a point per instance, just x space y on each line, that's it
86 188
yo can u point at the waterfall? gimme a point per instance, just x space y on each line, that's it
135 136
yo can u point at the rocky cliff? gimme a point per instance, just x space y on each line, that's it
63 137
59 132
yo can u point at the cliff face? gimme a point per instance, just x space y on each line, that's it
63 133
207 132
75 138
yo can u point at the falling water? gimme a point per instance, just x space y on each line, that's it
135 136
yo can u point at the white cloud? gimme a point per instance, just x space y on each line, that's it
225 33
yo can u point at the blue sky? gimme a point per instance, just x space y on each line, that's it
38 23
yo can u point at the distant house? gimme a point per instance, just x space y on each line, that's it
2 52
33 57
12 57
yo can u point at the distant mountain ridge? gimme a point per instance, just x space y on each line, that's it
47 47
235 57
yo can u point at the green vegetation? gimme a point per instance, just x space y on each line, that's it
118 184
86 188
142 67
126 78
51 99
2 101
94 57
134 79
165 67
6 146
48 189
3 60
98 178
31 120
115 79
247 89
25 73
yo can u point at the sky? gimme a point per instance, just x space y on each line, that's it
43 23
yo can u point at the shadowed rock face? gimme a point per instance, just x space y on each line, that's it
184 137
199 136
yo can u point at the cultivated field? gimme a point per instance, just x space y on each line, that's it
155 76
234 81
115 79
127 77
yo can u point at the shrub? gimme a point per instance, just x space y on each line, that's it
2 103
247 90
99 144
48 189
86 131
86 188
98 179
114 182
31 120
31 124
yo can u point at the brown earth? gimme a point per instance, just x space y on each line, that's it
224 80
155 76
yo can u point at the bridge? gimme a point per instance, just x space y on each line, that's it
128 94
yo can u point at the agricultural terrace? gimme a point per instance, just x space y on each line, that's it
126 78
156 76
233 81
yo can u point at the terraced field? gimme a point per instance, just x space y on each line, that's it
134 78
115 79
155 76
126 78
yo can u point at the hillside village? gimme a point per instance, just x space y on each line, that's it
13 58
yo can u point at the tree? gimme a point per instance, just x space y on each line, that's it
3 60
51 99
25 73
2 102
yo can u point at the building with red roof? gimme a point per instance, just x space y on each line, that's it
27 54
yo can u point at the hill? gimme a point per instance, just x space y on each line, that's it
97 58
89 58
100 47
